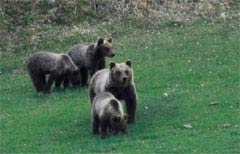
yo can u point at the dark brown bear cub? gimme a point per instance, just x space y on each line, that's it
117 80
57 66
108 115
90 58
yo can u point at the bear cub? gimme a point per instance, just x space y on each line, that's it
108 115
118 80
90 58
44 68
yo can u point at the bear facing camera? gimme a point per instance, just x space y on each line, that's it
108 115
118 80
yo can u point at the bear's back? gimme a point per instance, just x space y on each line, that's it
78 53
100 80
43 61
105 103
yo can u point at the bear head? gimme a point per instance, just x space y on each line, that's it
121 73
104 47
67 64
76 78
119 123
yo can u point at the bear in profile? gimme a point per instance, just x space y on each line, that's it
90 58
118 80
44 68
108 115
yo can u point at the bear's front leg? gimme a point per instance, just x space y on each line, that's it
67 78
66 82
76 78
50 81
101 64
84 76
95 124
58 82
103 129
92 94
130 98
124 131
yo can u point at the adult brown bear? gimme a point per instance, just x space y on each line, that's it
117 80
90 58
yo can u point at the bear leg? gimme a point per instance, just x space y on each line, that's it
101 64
76 78
95 124
92 94
84 75
103 129
39 81
131 103
50 81
58 82
66 81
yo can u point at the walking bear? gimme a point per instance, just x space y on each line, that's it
90 58
108 115
117 80
57 66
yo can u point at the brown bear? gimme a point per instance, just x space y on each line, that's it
56 66
108 115
90 58
117 80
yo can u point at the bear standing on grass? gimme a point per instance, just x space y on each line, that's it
117 80
90 58
57 66
108 115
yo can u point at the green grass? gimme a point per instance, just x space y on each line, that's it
195 65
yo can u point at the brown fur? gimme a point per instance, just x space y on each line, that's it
117 80
57 66
108 115
90 58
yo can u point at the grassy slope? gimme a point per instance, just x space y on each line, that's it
194 65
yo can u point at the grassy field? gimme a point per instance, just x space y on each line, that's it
178 70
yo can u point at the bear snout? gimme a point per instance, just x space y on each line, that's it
124 79
112 55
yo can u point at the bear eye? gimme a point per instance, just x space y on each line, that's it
127 72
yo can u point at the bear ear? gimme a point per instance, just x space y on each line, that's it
100 41
65 57
109 40
125 116
129 63
117 119
112 64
